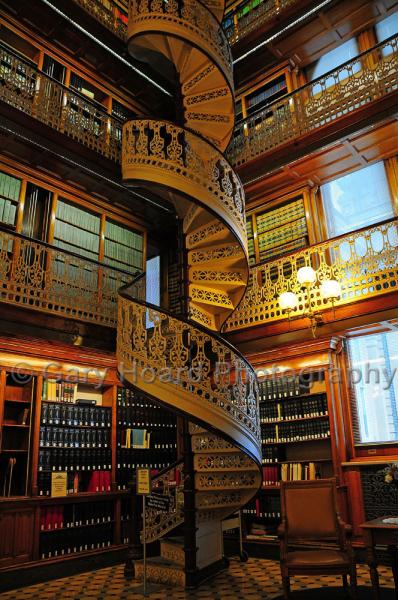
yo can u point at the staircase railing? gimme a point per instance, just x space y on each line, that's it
180 363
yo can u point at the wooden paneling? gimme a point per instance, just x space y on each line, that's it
16 536
326 29
351 153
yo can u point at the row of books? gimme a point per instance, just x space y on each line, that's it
270 476
280 250
146 417
314 406
71 541
74 459
142 458
300 471
277 388
295 432
75 515
265 507
282 235
97 481
58 391
282 215
65 437
270 455
75 415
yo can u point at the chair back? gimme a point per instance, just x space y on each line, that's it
309 509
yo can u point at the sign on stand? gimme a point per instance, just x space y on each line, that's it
144 486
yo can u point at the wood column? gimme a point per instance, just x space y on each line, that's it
190 528
135 547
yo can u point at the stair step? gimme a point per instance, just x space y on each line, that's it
160 570
172 550
214 254
219 279
211 231
209 443
223 462
203 295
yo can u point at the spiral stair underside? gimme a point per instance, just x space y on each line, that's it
186 164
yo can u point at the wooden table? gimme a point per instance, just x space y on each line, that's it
378 533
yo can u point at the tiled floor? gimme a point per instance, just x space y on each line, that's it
256 579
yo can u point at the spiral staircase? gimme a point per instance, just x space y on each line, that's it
198 374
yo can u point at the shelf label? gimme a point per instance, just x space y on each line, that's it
143 481
59 484
159 502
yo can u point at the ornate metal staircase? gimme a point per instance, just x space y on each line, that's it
192 369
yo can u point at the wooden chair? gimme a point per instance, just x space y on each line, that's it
310 513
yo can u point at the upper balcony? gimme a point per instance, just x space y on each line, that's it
359 93
109 14
365 263
249 20
24 87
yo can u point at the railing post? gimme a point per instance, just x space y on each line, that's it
190 528
135 547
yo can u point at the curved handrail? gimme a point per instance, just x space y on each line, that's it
166 347
174 147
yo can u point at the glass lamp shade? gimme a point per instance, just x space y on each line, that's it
288 301
306 275
330 288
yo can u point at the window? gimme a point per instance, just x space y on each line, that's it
357 200
9 195
331 60
373 370
387 27
152 285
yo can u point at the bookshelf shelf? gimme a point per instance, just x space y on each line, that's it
20 425
74 527
283 421
17 401
320 439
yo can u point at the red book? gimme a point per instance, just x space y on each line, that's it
257 507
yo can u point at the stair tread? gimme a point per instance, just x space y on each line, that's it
159 561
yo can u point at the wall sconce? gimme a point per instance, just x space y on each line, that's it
330 289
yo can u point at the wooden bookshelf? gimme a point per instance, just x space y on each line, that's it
58 377
296 444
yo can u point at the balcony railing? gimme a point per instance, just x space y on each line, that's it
41 277
253 15
107 14
26 88
358 82
364 262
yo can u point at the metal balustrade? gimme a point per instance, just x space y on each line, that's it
356 83
39 276
33 92
107 13
238 28
365 263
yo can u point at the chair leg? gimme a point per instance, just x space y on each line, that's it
353 582
286 587
345 586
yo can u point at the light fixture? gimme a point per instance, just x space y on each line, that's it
306 276
288 301
329 289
